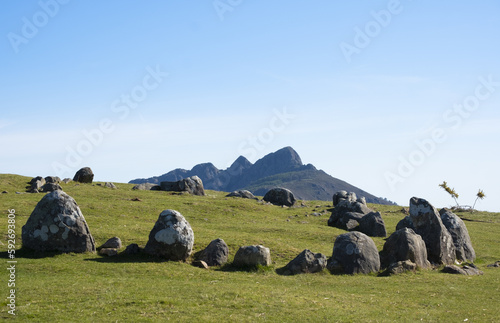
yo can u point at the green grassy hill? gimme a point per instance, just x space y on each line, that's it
88 287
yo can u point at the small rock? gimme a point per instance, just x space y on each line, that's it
67 180
400 267
468 270
252 256
5 192
110 185
84 175
243 194
495 265
114 243
147 187
136 199
200 264
110 252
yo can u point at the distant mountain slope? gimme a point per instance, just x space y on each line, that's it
283 168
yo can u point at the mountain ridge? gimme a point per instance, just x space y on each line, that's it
283 168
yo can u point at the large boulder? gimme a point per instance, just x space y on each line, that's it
51 187
57 224
306 262
84 175
424 219
250 256
171 237
403 245
193 185
354 253
456 227
280 196
215 254
52 179
372 225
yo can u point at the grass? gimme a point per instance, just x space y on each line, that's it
88 287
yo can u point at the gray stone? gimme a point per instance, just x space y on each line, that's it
280 196
114 243
38 178
57 224
110 185
110 252
402 245
468 270
354 253
348 208
147 187
67 180
306 262
84 175
456 227
52 179
193 185
243 194
424 219
51 187
400 267
36 186
372 225
249 256
216 253
495 265
171 237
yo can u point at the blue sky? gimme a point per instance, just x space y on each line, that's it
391 96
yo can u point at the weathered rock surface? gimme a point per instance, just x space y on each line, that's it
354 253
114 243
306 262
403 245
426 222
57 224
171 237
147 187
461 239
468 270
216 253
132 249
84 175
372 225
248 256
280 196
52 179
243 194
400 267
351 213
193 185
51 187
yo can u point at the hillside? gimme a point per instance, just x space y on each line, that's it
88 287
283 168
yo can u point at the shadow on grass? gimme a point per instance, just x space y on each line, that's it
128 258
31 254
230 267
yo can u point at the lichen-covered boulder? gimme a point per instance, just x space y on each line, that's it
216 253
280 196
84 175
306 262
354 253
403 245
424 219
456 227
171 237
57 224
193 185
248 256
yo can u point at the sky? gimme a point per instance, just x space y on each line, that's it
394 97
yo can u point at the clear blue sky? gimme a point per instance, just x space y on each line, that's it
391 96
